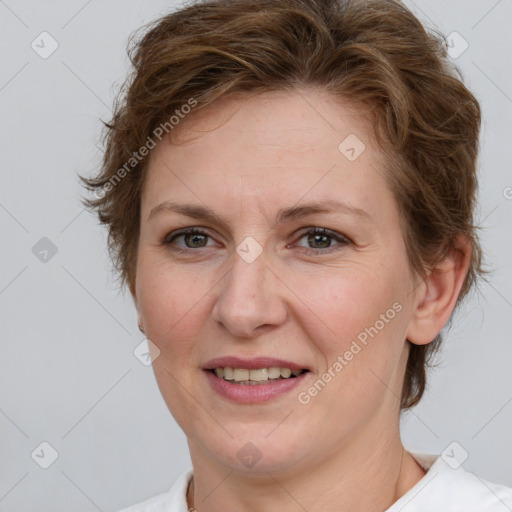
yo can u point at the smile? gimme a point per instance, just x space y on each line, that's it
251 377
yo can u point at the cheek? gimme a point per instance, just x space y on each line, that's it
169 301
351 301
362 318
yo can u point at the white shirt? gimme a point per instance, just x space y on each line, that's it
442 489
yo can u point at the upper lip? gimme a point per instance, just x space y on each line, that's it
252 363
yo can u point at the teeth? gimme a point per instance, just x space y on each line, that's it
274 372
285 372
239 374
261 374
244 376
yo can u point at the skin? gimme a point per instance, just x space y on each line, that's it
245 159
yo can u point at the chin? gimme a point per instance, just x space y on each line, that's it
254 452
250 459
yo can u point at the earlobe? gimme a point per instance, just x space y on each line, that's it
439 294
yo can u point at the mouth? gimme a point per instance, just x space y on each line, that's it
256 377
253 380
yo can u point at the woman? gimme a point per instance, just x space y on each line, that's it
289 190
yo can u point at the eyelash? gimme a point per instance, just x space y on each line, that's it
342 240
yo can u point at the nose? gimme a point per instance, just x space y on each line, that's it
249 301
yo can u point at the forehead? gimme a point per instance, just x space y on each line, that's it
298 119
269 146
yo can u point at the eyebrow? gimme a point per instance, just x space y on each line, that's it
284 215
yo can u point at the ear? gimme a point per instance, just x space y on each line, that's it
438 294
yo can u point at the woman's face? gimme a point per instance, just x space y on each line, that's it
258 284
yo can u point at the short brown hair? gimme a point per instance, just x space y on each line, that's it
373 52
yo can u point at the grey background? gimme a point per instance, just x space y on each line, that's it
68 374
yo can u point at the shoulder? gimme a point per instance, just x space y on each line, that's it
174 500
449 487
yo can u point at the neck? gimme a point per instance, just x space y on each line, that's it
359 477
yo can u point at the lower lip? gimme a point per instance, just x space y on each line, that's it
249 394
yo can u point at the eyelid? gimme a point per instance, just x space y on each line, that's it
170 237
341 239
324 231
